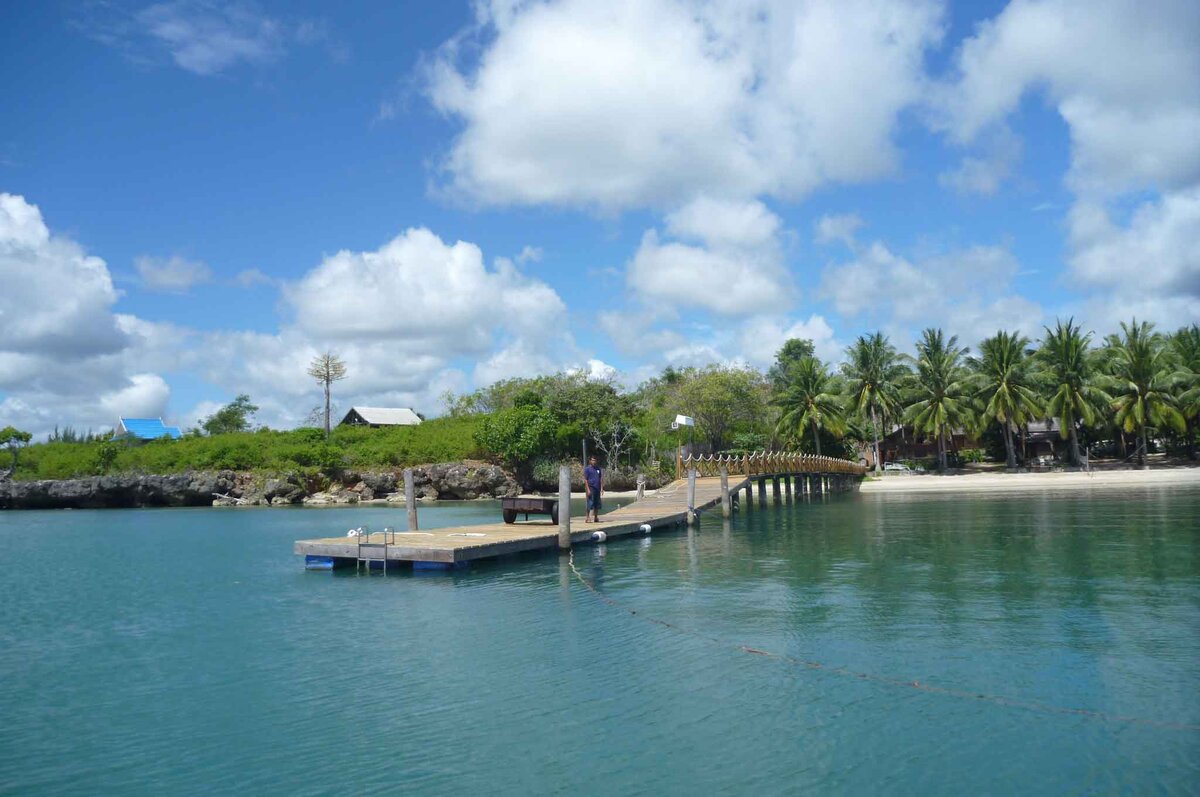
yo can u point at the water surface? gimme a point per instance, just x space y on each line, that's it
187 651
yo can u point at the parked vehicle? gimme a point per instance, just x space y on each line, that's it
896 466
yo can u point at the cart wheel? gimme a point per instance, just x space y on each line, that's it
554 513
510 516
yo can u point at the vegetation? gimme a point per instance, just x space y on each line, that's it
1140 383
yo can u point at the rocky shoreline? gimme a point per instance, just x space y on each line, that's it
442 481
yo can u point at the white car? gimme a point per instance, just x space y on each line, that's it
896 466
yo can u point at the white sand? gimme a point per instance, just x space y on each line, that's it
998 482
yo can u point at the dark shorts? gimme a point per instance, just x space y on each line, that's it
593 501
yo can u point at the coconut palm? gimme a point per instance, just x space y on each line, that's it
1068 368
938 397
1186 345
809 401
1142 378
874 371
1003 386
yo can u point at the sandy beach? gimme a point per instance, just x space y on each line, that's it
999 482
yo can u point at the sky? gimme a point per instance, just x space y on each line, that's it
197 197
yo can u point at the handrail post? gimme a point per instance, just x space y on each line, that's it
691 497
564 508
678 462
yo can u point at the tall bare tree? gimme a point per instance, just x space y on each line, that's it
327 368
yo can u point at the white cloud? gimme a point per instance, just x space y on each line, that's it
761 338
653 102
1123 74
834 228
1153 260
734 267
172 274
251 277
984 175
57 299
638 333
967 292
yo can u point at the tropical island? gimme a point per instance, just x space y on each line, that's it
1069 400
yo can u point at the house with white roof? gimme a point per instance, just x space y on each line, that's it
381 416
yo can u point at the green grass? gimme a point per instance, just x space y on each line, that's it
437 440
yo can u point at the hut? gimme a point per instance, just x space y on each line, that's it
381 416
145 429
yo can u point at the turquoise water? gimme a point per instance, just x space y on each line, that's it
188 652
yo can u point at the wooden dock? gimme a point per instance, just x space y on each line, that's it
441 548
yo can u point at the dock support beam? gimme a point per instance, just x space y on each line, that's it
776 495
564 508
410 499
762 491
691 497
814 484
749 492
726 504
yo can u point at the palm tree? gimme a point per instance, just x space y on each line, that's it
1069 370
1003 385
939 391
808 400
1186 345
1142 378
874 372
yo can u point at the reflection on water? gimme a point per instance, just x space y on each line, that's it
186 651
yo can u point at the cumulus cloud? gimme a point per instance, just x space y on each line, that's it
65 357
1123 74
172 274
968 292
984 175
653 102
761 338
729 260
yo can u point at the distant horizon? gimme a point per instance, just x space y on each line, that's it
197 198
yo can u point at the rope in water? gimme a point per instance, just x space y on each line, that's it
1001 700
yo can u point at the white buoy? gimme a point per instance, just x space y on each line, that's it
644 528
599 536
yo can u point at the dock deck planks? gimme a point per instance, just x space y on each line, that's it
665 507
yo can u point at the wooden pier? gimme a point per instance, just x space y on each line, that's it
791 475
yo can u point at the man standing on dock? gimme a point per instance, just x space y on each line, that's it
593 483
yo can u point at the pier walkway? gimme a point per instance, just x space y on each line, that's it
438 548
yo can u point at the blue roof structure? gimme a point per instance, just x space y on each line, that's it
146 429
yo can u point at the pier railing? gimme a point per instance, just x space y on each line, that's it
764 462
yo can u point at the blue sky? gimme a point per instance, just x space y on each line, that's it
195 197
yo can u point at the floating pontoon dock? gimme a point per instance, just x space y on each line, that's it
439 548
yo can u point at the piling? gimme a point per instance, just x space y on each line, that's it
762 491
410 499
726 503
776 495
641 486
691 495
749 493
788 494
564 508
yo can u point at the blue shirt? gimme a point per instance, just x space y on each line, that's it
591 475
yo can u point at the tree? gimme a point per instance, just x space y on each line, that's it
809 401
327 368
721 399
233 417
517 434
791 352
873 371
14 440
1186 345
1068 369
939 392
1003 386
1141 378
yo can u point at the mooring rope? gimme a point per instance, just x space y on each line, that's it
963 694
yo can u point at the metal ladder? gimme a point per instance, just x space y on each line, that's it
369 551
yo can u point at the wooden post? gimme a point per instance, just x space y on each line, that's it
641 486
762 490
726 503
775 494
410 499
679 462
564 508
749 493
787 487
691 497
